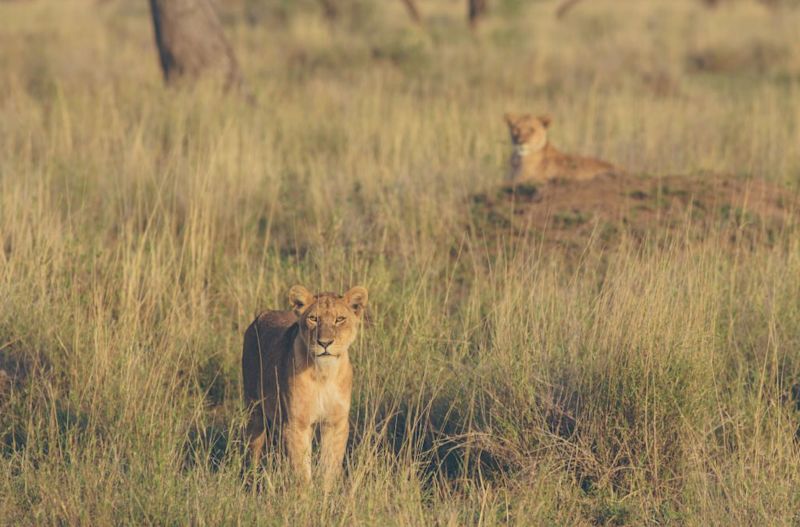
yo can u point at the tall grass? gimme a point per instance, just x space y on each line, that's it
497 382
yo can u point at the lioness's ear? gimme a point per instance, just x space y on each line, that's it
510 118
545 120
300 298
356 299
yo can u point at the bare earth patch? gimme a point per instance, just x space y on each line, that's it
612 207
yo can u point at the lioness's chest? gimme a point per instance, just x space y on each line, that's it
329 400
318 400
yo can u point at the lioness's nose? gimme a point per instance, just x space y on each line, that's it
324 342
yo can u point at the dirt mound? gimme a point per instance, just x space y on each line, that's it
570 213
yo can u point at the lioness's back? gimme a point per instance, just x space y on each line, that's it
267 340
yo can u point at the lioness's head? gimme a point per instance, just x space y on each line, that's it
528 133
328 322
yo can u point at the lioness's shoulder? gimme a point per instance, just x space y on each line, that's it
270 325
276 319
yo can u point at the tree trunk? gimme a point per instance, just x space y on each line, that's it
413 12
565 8
476 10
191 43
330 9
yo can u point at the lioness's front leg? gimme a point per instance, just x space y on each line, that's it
297 438
256 435
334 440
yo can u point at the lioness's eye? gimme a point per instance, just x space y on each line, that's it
339 320
312 318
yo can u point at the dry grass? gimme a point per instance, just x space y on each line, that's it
499 381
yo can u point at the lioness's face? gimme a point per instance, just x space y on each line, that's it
328 322
528 133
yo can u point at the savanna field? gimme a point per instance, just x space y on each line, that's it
629 375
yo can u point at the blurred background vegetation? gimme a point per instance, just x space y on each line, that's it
501 380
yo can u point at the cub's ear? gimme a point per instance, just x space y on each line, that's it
545 120
300 298
510 118
356 300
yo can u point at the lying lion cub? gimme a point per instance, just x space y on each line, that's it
297 374
535 160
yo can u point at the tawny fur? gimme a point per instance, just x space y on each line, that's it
297 374
535 160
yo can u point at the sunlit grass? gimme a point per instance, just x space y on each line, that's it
497 381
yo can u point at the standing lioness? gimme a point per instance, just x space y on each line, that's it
297 374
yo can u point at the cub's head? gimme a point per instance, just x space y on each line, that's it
528 133
328 322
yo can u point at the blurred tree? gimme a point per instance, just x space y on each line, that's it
191 43
476 10
771 4
331 9
413 12
565 8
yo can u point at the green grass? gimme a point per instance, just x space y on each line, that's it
141 229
